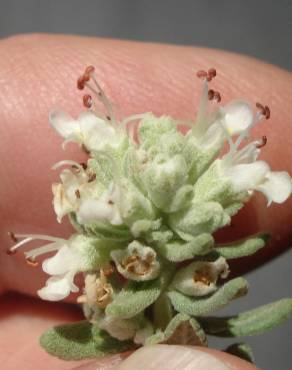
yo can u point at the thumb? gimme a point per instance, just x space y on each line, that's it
170 357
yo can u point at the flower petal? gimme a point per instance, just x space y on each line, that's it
237 117
96 132
277 187
58 288
64 124
62 262
248 176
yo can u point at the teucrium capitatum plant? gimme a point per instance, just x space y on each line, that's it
145 207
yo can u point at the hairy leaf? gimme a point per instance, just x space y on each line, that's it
201 306
242 248
80 341
241 350
133 299
178 251
252 322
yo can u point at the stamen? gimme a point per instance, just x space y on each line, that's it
80 83
12 236
52 247
68 162
268 112
211 94
87 101
28 238
202 74
31 262
212 72
214 95
91 177
217 96
83 165
207 76
262 143
264 110
86 151
89 70
77 193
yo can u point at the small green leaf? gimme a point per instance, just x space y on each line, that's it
133 299
177 251
80 341
200 306
242 248
241 350
181 330
252 322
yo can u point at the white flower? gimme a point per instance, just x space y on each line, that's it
213 127
200 277
67 194
93 132
77 193
103 208
97 292
78 254
136 262
246 174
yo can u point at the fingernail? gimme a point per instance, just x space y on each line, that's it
170 357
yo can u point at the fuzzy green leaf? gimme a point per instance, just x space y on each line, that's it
201 306
241 350
252 322
199 218
181 330
242 248
80 341
177 251
133 299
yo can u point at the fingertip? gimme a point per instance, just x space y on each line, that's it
173 357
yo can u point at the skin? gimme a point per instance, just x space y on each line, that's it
137 78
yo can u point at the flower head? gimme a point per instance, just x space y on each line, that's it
145 206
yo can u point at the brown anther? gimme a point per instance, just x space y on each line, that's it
83 147
264 110
89 70
262 143
268 112
87 101
31 262
77 193
202 74
217 96
83 165
108 118
212 72
11 252
80 83
108 270
75 167
91 177
110 202
12 236
261 108
211 94
86 77
203 276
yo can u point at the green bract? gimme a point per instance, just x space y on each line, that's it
145 207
